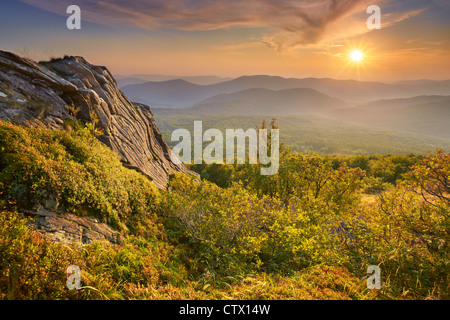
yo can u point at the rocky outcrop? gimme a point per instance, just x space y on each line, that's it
69 228
54 93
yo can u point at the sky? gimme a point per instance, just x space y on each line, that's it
231 38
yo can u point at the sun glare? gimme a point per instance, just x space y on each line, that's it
356 55
357 59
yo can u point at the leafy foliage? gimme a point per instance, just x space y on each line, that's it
73 169
309 232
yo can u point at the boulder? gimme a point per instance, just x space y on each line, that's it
55 92
69 228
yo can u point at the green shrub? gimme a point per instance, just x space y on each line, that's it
306 233
33 267
233 231
74 170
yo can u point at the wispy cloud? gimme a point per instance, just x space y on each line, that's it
295 23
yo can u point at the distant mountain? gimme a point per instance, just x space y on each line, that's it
271 102
122 82
183 94
167 94
403 102
426 84
427 115
200 80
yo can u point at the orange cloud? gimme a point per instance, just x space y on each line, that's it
295 23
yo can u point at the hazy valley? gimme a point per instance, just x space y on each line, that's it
314 115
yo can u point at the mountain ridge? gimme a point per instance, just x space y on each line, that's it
426 115
277 102
174 95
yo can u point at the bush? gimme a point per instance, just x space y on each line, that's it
306 233
233 232
33 267
75 172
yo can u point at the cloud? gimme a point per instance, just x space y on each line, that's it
295 22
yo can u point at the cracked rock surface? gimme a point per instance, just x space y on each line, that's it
68 228
49 93
56 93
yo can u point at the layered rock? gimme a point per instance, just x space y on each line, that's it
68 228
53 93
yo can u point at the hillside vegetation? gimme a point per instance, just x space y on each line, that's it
309 232
311 133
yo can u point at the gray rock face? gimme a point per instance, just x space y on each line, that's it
51 93
68 228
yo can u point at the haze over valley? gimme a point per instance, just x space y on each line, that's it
314 115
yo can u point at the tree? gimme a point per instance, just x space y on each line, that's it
431 179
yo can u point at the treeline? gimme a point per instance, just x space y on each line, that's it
380 171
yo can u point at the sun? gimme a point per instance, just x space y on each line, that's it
356 55
357 58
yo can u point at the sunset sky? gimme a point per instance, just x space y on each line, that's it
230 38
